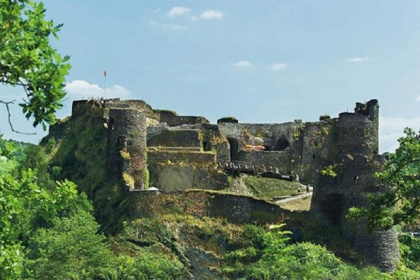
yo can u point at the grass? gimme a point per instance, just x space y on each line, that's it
269 188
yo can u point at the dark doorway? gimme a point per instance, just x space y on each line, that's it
282 144
233 143
332 208
206 146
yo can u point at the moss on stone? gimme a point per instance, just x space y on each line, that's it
125 155
330 170
146 178
128 180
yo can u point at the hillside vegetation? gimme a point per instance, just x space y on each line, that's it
58 238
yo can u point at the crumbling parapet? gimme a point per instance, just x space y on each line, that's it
126 147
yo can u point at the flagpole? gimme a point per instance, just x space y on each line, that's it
105 82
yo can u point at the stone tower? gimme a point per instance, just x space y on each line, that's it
351 179
126 157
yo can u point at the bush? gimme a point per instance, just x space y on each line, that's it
274 258
410 251
149 266
71 249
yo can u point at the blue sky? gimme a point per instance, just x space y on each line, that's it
259 61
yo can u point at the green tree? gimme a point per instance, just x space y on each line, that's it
271 256
28 60
27 204
25 207
70 249
400 202
410 251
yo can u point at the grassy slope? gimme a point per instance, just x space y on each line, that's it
263 188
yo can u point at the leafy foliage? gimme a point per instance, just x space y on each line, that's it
410 251
70 249
400 203
27 204
149 265
28 60
11 152
271 257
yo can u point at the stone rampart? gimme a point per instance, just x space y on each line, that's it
274 160
172 118
182 170
235 208
181 157
176 138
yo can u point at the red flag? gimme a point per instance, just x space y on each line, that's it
105 73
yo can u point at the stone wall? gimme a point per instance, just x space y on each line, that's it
234 208
182 170
184 157
275 159
213 140
172 118
176 138
319 145
252 134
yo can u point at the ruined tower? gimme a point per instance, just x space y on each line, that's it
347 181
126 147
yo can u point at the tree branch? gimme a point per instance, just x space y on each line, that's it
9 118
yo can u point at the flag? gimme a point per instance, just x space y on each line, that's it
105 73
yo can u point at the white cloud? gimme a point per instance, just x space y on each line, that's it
278 66
242 63
392 128
178 11
211 14
357 59
418 98
82 89
169 26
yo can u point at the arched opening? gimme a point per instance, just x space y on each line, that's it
206 146
332 208
282 144
233 144
111 123
121 142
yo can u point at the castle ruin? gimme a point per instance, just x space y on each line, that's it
338 156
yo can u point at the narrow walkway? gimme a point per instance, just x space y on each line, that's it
255 169
296 203
285 200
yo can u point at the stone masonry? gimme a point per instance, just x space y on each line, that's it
148 147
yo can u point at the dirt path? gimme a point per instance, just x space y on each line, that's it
300 202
